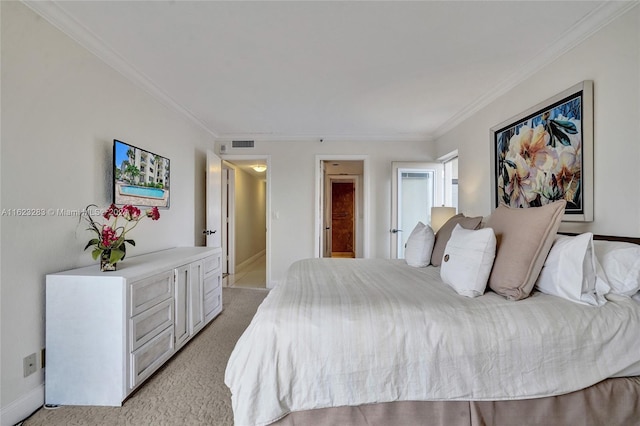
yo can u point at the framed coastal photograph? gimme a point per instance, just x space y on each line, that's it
140 178
545 154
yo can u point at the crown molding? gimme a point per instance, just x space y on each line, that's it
56 16
586 27
59 18
286 137
589 25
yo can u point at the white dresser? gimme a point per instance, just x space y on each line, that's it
107 332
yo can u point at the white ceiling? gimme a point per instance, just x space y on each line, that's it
247 166
360 70
344 167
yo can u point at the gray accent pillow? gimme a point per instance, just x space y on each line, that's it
444 233
417 252
524 238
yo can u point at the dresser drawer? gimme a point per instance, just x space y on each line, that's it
145 326
150 356
212 304
212 282
212 263
149 291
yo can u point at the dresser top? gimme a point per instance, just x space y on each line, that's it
146 264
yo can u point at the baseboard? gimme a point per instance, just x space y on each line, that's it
22 407
247 262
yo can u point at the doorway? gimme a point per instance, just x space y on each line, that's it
341 200
245 236
416 187
342 206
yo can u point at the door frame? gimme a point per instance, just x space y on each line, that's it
319 200
356 205
213 188
267 161
438 196
228 217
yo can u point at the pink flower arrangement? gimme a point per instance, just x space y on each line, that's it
110 240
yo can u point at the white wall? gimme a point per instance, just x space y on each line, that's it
250 216
61 109
611 58
293 190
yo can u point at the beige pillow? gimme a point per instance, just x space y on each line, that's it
444 233
524 238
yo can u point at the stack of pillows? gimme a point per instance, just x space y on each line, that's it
519 249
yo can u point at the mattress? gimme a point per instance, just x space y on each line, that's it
348 332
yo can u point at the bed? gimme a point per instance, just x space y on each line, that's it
376 341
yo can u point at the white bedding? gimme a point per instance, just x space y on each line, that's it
356 331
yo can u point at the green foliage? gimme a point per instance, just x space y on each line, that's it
109 237
558 130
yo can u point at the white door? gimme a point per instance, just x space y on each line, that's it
214 200
326 202
228 218
326 213
415 188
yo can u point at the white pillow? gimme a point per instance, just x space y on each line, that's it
419 245
621 264
571 271
468 259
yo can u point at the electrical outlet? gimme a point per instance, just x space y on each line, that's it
29 365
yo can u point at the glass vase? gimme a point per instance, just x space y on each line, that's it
105 262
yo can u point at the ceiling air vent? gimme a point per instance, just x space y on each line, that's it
242 144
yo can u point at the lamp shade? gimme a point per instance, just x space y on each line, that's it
259 168
440 215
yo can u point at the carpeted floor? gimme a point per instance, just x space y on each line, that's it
188 390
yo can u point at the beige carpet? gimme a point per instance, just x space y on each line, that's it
188 390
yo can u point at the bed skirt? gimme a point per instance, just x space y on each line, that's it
610 402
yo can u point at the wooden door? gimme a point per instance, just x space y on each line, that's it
342 219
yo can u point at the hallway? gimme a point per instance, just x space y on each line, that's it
252 275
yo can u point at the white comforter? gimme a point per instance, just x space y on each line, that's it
355 331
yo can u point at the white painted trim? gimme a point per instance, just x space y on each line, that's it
398 167
229 204
590 24
267 159
250 260
60 19
448 157
587 26
357 204
366 201
22 407
312 137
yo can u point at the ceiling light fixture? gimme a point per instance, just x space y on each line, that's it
259 168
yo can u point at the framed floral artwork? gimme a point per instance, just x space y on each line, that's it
545 154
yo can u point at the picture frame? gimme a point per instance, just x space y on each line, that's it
545 154
140 177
